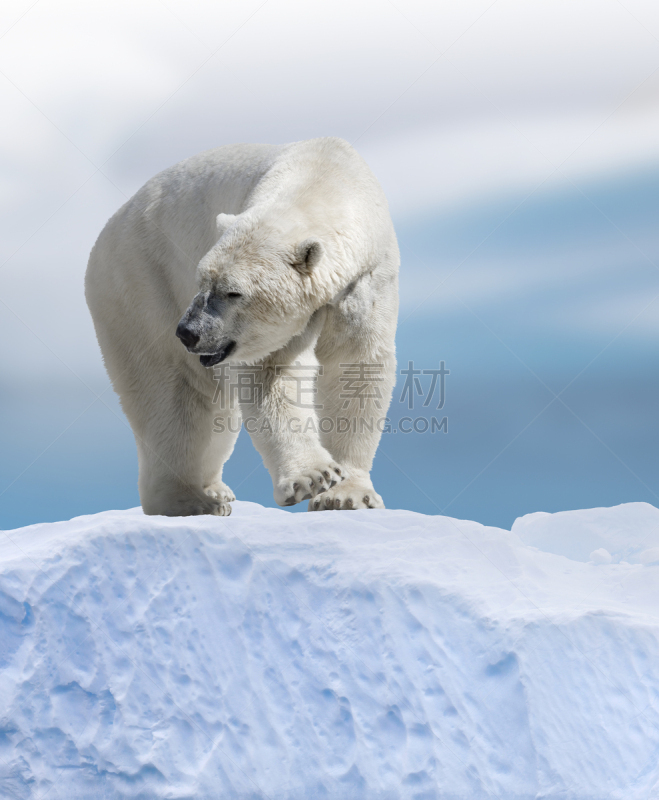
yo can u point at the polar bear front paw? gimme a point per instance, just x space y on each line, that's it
351 494
188 506
221 492
308 483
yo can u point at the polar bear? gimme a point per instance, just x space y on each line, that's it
279 259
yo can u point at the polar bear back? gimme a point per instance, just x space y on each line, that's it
169 224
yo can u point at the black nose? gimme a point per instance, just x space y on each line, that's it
188 337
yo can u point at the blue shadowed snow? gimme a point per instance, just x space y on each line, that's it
268 655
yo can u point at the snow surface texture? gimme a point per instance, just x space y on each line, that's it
364 654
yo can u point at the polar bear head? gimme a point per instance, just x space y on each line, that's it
258 287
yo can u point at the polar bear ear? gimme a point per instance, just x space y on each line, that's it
307 254
224 222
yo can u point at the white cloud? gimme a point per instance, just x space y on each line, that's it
521 85
447 164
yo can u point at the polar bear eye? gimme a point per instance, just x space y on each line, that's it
234 294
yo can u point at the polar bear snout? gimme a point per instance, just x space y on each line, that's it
194 324
201 331
202 328
187 335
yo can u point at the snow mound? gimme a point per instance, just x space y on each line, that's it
623 533
365 654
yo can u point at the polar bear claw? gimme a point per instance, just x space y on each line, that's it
308 483
221 492
348 496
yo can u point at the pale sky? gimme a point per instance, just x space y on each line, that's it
448 101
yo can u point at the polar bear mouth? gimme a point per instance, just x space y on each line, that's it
216 358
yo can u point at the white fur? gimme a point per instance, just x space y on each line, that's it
289 252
